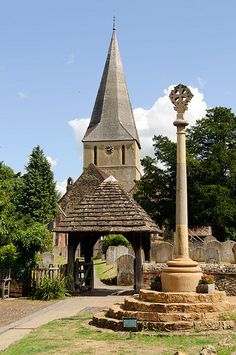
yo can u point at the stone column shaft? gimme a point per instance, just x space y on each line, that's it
181 193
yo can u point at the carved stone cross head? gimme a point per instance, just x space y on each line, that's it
180 96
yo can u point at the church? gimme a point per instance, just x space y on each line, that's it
111 141
99 202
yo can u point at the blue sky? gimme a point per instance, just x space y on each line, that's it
52 55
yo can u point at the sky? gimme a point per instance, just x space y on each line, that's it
52 55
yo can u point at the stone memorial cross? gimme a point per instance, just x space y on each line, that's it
182 274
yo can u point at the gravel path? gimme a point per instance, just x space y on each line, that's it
13 309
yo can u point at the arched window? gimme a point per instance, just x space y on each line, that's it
123 155
95 155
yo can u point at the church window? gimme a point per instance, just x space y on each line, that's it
123 154
95 155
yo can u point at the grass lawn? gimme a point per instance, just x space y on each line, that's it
74 336
104 272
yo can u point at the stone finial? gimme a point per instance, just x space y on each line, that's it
180 96
69 183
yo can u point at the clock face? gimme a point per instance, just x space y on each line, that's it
109 149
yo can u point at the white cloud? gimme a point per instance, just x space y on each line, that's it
61 186
52 162
79 126
154 121
160 117
202 82
22 95
71 59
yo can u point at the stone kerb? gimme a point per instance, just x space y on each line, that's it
125 270
227 254
161 252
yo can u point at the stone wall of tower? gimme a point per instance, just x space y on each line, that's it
124 166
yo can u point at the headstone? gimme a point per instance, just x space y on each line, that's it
208 239
114 252
161 252
47 258
111 254
198 254
234 252
227 254
215 244
125 270
212 256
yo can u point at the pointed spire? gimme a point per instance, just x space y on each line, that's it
112 117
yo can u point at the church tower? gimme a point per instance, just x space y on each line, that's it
111 141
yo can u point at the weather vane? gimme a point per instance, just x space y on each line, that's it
114 23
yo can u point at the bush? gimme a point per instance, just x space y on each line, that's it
114 240
8 255
50 289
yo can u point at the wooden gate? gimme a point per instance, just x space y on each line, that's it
84 280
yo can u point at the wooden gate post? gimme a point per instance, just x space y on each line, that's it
72 245
138 263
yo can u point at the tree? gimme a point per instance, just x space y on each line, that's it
114 240
211 169
39 197
10 221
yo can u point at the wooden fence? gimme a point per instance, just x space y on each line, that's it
52 272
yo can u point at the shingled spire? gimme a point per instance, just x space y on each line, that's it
111 141
112 117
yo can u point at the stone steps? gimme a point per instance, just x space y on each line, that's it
118 312
181 297
102 321
132 304
165 312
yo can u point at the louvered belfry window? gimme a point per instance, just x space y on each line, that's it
95 155
123 155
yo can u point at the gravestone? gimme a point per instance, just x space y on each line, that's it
208 239
114 252
161 252
227 254
47 258
234 252
212 256
111 254
198 254
215 244
125 270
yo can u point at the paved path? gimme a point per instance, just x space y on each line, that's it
61 309
102 297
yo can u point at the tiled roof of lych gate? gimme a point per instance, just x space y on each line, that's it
109 210
112 117
88 181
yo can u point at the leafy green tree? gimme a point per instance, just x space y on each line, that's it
115 240
10 221
212 172
211 169
8 256
39 196
29 243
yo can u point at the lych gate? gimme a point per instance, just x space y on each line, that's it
106 210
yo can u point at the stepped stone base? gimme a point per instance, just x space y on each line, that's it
170 311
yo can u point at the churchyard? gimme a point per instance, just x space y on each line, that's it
75 336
